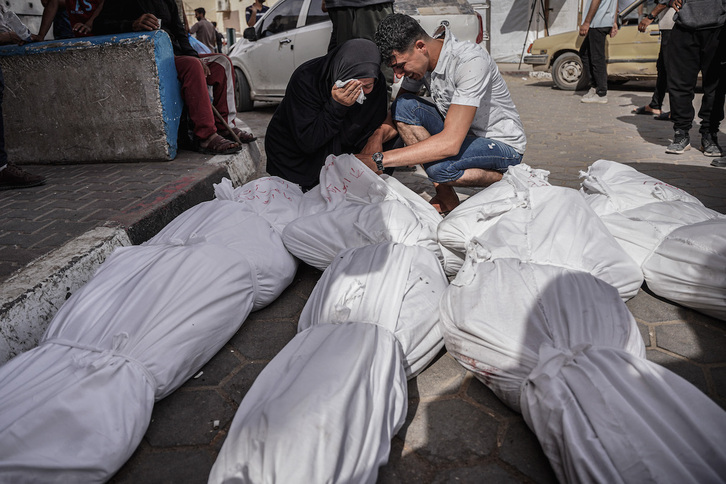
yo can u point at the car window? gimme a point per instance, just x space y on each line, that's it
282 18
315 13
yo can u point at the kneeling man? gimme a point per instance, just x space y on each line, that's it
471 132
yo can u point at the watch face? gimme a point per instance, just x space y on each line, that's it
377 157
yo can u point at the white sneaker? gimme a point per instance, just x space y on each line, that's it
592 98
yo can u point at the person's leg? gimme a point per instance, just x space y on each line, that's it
586 64
3 153
598 61
682 64
710 72
661 83
480 162
196 97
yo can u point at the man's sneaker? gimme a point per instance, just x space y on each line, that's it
719 163
710 147
13 177
681 143
593 98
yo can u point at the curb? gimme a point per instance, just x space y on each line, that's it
32 296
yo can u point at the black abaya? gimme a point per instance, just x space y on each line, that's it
309 125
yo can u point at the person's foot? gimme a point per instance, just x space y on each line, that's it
13 177
719 163
681 143
592 97
445 199
243 136
217 145
646 110
710 147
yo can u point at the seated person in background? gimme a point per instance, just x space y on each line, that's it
80 15
471 133
194 73
10 175
316 118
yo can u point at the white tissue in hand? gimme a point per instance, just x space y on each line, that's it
361 96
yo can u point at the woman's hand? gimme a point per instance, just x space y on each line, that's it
347 94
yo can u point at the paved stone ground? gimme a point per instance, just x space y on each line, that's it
456 429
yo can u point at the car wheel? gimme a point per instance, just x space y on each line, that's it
242 92
567 71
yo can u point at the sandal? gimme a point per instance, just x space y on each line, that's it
643 110
219 146
243 136
663 116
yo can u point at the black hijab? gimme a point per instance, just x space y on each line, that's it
309 125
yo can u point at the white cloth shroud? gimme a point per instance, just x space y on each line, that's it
323 410
352 207
679 244
75 408
561 347
525 218
391 285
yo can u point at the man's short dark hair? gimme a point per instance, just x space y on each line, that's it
397 32
201 11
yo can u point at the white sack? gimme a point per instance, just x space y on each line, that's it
272 198
467 221
317 239
689 267
601 412
70 415
497 314
610 187
323 410
77 406
229 224
679 243
545 225
352 207
391 285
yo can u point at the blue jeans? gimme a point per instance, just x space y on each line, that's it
475 152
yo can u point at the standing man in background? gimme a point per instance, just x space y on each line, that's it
355 19
203 30
254 12
599 21
697 44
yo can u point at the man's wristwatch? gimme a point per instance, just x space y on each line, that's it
378 160
650 16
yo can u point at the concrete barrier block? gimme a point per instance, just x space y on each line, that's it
96 99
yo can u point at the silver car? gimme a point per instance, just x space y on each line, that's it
295 31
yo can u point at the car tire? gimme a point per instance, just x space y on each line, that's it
567 71
242 92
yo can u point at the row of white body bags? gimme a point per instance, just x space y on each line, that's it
679 244
354 207
560 346
524 217
325 408
75 408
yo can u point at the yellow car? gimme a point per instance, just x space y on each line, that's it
630 55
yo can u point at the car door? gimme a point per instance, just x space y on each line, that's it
270 61
632 52
313 34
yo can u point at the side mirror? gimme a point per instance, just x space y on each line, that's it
250 34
